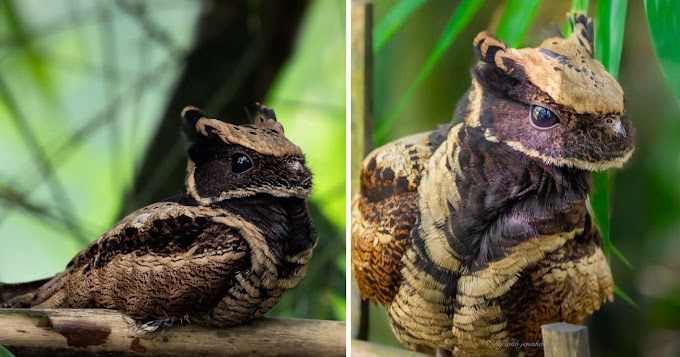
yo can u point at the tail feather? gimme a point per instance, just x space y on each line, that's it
10 291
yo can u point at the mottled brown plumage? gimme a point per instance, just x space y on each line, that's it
221 253
476 234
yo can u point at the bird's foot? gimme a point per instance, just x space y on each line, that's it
185 319
153 325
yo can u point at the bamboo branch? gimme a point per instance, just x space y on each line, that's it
61 332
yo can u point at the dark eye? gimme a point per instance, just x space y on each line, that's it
543 118
240 163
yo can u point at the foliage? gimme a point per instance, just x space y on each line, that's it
662 17
4 352
459 19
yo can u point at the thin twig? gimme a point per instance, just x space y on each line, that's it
47 171
110 61
63 151
150 27
17 199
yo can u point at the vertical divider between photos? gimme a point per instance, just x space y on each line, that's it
362 119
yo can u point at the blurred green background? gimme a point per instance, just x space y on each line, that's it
90 96
430 44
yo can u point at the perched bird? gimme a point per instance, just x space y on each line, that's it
221 253
477 233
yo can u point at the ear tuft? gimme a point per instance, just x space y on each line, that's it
487 46
264 113
191 115
496 59
583 31
266 118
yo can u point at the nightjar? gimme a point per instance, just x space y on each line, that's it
221 253
477 233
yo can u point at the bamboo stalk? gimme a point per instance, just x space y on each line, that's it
361 122
362 85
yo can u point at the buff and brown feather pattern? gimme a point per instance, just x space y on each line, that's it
222 253
476 234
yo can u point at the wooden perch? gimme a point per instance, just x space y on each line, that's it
565 340
60 332
367 349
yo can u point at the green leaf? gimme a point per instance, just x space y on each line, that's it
609 29
663 17
5 352
609 26
576 5
580 5
620 293
465 11
396 17
599 201
517 18
620 255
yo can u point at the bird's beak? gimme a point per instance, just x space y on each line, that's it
615 124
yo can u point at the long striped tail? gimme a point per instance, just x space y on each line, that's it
11 291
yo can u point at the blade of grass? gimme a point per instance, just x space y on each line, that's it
576 5
662 17
599 200
464 13
625 296
621 256
516 19
580 5
5 352
609 29
396 17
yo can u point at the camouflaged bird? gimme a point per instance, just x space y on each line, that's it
477 233
221 253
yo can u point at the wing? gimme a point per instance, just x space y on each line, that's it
569 284
163 260
384 210
578 275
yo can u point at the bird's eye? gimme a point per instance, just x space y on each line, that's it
240 163
543 118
